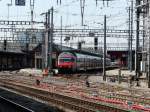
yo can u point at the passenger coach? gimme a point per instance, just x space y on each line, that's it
80 61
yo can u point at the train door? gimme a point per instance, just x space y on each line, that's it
84 63
74 68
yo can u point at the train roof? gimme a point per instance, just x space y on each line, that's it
74 51
59 49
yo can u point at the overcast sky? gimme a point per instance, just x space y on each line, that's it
70 12
117 14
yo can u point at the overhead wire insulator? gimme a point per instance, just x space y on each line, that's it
82 5
107 3
96 3
58 2
103 2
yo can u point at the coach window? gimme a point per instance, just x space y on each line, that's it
78 60
72 59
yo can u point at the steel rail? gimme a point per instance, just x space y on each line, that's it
120 97
16 105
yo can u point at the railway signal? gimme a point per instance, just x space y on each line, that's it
80 45
5 45
20 2
95 43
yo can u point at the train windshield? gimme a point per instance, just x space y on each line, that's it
66 60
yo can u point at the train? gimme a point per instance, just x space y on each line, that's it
80 61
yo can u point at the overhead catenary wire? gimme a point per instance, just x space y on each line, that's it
69 4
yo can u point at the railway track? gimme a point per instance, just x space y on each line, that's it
126 97
134 99
63 101
115 96
16 107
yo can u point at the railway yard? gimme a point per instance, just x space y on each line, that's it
71 93
74 56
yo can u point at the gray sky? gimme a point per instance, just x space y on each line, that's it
70 12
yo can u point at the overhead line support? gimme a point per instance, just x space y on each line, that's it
104 52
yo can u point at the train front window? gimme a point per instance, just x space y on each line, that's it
66 60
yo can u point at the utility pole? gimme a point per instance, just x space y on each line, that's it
143 49
46 41
130 63
50 40
137 43
131 59
149 61
104 53
149 54
43 48
32 8
61 33
129 47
